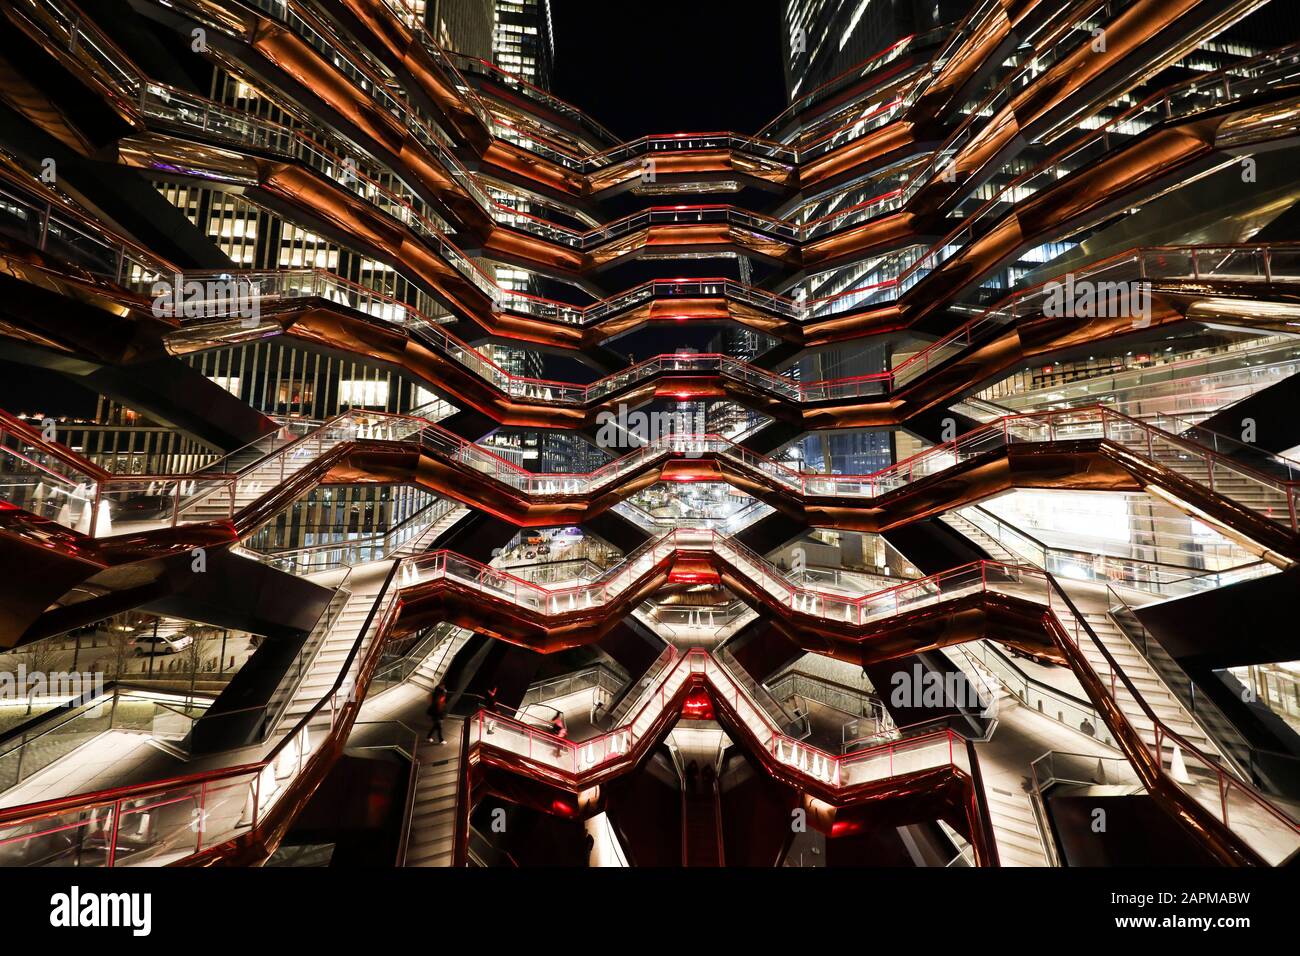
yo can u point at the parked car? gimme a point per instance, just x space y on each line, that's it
148 645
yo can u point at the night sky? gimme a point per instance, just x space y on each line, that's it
670 66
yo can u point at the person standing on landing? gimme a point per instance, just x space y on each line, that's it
437 711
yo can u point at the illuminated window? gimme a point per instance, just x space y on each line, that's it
295 393
229 382
355 391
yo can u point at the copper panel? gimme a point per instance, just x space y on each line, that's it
292 55
1091 464
508 242
35 105
519 163
893 138
45 560
878 235
690 389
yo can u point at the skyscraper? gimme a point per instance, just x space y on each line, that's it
522 42
823 38
465 26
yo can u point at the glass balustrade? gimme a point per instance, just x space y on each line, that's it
643 723
36 745
34 217
1255 75
1277 261
160 823
1250 815
1165 579
351 550
156 501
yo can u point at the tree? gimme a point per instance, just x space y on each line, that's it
41 657
120 646
191 661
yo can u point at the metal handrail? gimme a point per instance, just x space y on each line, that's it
1085 559
1198 706
428 331
1056 599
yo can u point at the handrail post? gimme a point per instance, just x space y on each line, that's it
112 833
257 796
201 820
18 771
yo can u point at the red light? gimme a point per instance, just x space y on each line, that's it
693 571
697 705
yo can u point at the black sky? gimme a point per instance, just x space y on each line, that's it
669 66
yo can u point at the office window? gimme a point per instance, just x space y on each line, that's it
355 391
229 382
